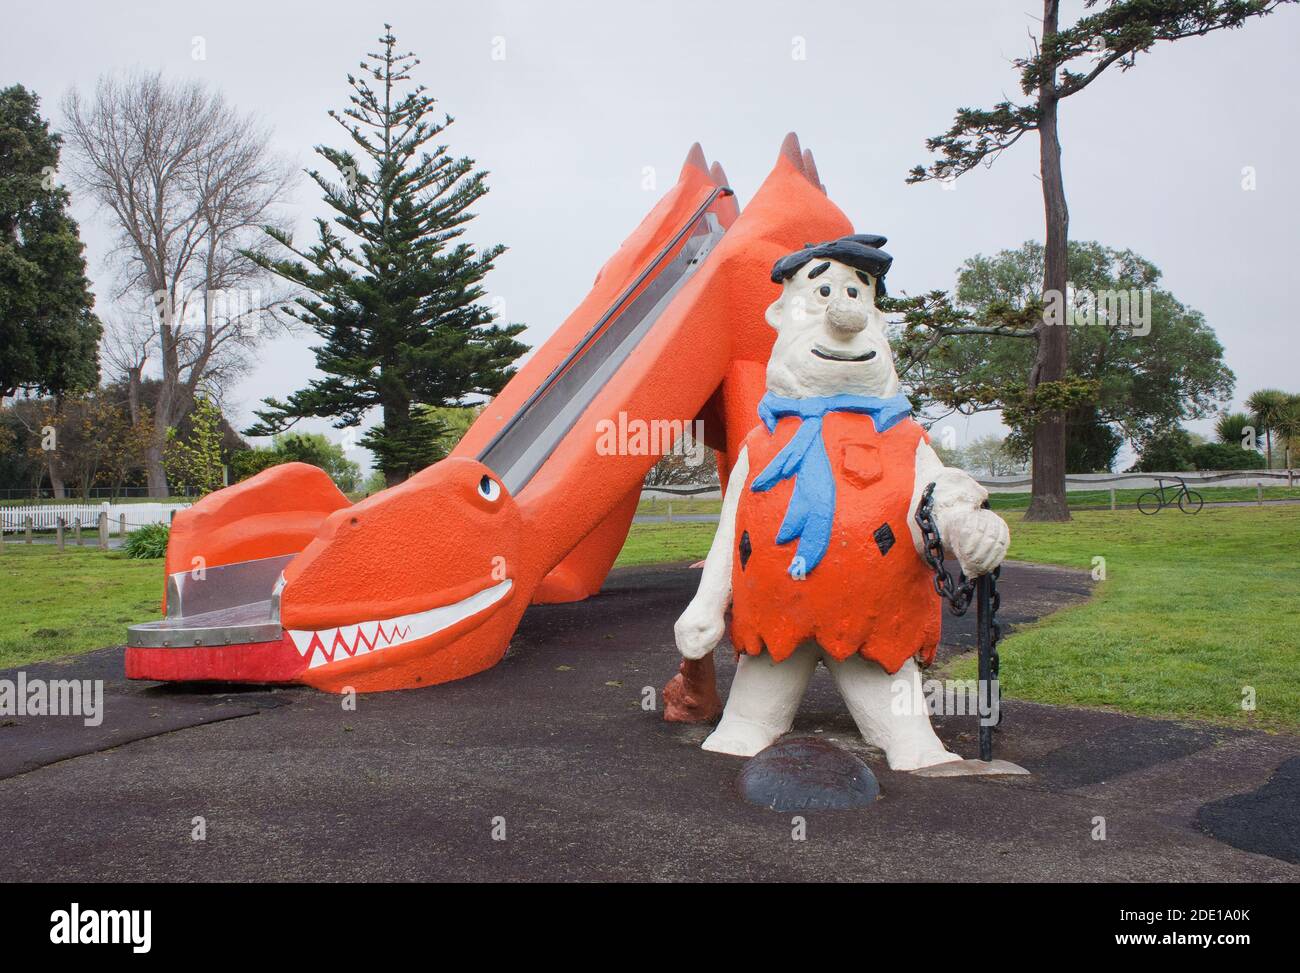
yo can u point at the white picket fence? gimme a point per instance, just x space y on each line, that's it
45 516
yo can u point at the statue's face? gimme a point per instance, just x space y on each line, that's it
830 336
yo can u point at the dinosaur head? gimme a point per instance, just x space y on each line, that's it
389 582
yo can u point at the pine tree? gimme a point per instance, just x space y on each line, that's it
396 295
49 337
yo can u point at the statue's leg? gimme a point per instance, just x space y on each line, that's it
763 700
890 711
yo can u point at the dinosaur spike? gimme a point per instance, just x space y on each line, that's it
719 176
810 170
695 158
790 150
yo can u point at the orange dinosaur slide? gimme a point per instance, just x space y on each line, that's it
280 579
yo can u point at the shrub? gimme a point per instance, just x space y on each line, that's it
314 449
146 542
1168 452
250 462
1222 456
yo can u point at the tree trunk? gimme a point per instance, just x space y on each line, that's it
1048 497
133 379
396 417
58 489
155 475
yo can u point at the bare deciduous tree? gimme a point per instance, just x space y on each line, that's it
189 183
128 340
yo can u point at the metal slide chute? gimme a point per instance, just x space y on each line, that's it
232 608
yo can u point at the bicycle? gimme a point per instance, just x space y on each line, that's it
1166 495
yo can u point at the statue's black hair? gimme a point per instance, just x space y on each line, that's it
861 251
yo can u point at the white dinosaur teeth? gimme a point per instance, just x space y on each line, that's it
301 641
344 640
350 641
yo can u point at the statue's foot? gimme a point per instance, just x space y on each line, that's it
914 759
740 738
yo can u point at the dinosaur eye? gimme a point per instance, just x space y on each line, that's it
853 292
489 489
824 290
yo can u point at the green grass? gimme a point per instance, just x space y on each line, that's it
666 543
1193 610
63 603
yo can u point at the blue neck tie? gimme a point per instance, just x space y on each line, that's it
812 505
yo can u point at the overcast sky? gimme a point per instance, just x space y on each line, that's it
589 94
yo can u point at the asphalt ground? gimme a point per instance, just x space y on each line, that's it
549 767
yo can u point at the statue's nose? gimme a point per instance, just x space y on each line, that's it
848 317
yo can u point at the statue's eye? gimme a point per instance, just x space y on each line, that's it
824 290
853 292
489 489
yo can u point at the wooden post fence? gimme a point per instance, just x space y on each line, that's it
103 531
58 532
27 528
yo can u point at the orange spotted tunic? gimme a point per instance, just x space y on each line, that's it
872 593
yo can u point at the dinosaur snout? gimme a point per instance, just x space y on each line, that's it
846 317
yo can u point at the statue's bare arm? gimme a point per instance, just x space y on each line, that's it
701 627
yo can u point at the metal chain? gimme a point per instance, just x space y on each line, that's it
957 593
961 592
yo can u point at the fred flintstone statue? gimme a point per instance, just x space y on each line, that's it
817 552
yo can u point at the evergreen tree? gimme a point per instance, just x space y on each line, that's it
395 296
49 337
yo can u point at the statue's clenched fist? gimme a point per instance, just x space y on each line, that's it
699 629
978 538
